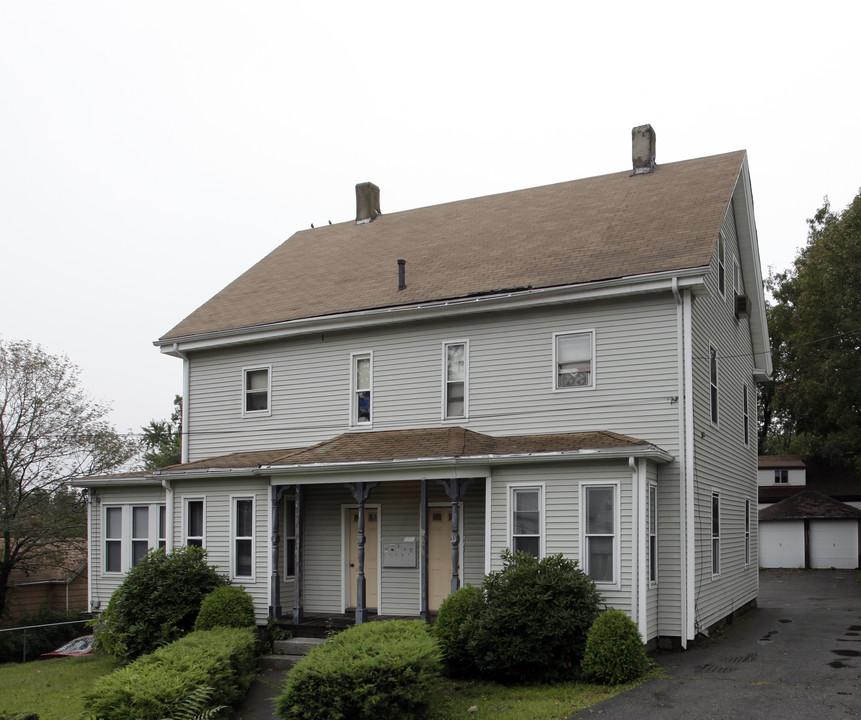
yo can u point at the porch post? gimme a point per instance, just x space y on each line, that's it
277 492
423 553
298 579
360 495
455 489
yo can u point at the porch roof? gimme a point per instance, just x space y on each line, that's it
425 445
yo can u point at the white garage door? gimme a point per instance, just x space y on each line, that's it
781 544
834 543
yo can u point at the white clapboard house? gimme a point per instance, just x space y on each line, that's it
379 407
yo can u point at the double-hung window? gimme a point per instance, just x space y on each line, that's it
526 520
715 533
243 537
195 514
574 360
713 383
455 380
781 477
653 534
599 532
140 533
162 526
747 532
745 418
113 539
256 391
362 387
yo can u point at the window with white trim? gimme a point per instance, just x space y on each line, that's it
745 415
574 360
781 477
256 383
715 533
747 532
140 533
113 539
653 534
162 526
526 521
713 383
455 380
243 537
290 537
721 265
195 523
362 372
599 532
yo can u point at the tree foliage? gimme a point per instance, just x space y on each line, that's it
162 439
814 405
51 432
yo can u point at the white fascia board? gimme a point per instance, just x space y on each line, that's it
742 200
96 482
692 278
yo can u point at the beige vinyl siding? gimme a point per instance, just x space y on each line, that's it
510 369
724 464
323 561
103 584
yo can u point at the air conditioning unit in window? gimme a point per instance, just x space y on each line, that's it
742 306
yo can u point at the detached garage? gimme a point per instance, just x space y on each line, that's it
809 530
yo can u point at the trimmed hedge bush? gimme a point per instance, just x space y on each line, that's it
159 685
614 650
381 669
454 628
533 623
157 602
227 606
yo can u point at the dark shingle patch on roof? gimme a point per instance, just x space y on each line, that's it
810 505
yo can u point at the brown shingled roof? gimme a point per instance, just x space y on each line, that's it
417 444
581 231
809 504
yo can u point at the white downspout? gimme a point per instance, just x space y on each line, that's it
635 544
683 525
168 515
689 470
488 509
186 381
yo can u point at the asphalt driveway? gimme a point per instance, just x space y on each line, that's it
798 655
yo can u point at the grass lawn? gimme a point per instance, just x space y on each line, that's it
519 702
51 688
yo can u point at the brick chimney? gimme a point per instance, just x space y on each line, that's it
643 149
367 202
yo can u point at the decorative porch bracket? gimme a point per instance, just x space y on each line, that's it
360 492
455 489
275 548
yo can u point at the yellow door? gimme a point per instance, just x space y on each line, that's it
439 556
371 557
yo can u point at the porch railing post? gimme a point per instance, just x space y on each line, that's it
277 492
423 550
360 492
299 577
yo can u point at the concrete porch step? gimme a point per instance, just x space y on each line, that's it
286 653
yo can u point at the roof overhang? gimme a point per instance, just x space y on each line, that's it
413 468
687 278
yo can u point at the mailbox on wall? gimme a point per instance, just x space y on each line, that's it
400 554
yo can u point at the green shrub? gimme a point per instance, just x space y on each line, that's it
160 685
383 669
157 602
41 639
534 620
614 650
226 606
454 628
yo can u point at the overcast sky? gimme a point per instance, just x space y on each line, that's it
152 151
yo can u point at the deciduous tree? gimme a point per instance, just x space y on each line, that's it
51 432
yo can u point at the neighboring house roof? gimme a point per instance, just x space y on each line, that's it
809 505
780 462
422 444
838 483
61 566
600 228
